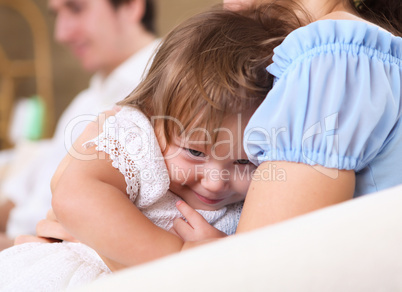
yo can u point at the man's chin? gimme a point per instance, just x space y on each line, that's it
91 67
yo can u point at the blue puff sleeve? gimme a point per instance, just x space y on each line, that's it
336 97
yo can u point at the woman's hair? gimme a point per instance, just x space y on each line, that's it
148 20
385 13
212 65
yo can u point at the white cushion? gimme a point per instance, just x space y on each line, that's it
353 246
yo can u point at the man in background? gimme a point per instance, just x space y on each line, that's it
113 39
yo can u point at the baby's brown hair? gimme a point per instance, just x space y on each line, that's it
212 65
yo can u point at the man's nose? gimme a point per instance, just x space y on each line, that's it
64 29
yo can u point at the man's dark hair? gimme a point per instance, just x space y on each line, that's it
148 20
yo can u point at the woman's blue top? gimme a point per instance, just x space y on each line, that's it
336 102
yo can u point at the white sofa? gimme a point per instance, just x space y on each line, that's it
353 246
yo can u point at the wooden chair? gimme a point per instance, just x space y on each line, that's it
39 68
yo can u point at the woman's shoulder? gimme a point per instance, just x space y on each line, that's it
343 15
336 32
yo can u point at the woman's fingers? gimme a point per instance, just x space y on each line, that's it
53 229
48 230
31 238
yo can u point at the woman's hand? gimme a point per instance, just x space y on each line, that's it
48 230
196 229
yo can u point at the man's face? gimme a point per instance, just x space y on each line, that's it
94 31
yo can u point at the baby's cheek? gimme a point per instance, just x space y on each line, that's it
242 178
181 173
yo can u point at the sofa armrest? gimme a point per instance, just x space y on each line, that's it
353 246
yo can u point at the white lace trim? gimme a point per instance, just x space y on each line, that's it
130 141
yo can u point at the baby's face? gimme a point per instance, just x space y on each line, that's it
208 176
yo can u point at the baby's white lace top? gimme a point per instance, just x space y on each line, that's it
129 139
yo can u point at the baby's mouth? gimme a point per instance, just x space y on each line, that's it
206 200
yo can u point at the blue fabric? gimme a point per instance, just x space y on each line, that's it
336 102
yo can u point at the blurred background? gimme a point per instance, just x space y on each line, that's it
26 29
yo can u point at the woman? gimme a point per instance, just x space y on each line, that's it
331 125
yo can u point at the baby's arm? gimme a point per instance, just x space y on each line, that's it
90 201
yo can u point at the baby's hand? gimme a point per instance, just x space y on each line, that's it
196 228
48 230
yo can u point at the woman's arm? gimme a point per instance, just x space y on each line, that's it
294 189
